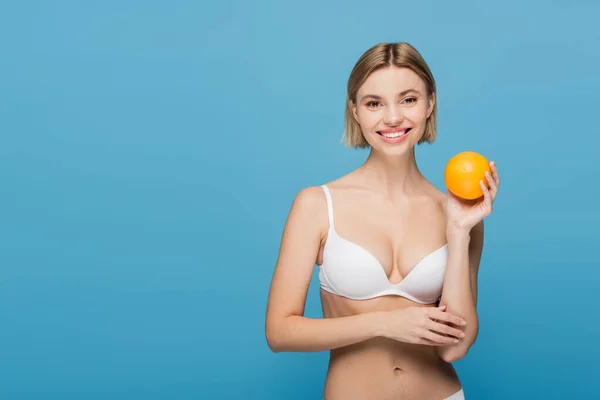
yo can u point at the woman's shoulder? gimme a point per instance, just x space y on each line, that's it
438 195
310 197
314 198
309 211
435 195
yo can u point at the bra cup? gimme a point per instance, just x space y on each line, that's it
426 280
352 272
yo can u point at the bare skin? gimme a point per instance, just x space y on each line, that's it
386 347
382 368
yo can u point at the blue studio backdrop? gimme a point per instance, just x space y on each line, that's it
150 151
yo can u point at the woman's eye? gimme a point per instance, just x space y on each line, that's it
411 100
372 104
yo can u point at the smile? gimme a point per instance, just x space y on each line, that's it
394 134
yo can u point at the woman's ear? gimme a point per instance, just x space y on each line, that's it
431 105
352 106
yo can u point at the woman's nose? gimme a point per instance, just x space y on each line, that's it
392 116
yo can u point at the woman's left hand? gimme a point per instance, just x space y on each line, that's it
465 214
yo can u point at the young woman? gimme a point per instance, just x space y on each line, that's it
398 260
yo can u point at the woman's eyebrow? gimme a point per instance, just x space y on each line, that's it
376 97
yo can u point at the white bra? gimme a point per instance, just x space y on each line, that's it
350 271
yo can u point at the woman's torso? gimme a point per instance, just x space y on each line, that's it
382 368
398 234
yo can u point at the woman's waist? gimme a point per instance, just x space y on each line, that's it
388 353
380 368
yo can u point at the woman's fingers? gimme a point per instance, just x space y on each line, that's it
437 339
446 329
487 196
492 183
495 173
435 313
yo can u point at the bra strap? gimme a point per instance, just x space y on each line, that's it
329 204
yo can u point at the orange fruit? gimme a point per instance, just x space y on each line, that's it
463 173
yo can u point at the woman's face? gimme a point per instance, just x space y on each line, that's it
392 107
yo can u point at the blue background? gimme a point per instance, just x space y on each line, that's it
150 151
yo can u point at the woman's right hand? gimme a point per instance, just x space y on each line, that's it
431 326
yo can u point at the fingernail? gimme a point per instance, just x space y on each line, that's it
463 322
462 334
455 340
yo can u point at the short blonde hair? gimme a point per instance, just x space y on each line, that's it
382 55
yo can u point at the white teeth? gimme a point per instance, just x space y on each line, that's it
393 135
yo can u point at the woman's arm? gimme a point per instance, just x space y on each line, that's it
286 328
465 244
459 293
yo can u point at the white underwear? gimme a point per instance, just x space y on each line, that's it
460 395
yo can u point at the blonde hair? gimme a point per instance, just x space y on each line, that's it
382 55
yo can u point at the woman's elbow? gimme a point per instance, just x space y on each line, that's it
273 341
274 338
453 355
459 351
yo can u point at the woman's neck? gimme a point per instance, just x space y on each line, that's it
393 176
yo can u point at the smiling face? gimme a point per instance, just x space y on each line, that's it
392 107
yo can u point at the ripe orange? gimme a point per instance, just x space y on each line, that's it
463 173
